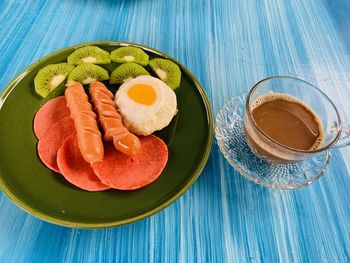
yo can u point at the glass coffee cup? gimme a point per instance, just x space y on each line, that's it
334 133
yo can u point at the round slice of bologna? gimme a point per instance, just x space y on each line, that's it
128 173
49 144
51 112
75 169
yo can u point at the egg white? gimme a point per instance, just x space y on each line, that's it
143 119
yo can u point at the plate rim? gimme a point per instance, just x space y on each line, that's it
87 225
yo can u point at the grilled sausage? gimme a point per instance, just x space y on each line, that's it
110 120
89 136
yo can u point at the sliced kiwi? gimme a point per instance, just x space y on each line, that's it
126 72
89 54
50 77
167 71
87 73
129 54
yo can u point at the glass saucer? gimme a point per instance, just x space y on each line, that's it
230 137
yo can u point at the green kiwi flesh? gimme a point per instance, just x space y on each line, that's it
126 72
89 54
86 73
50 77
130 54
167 71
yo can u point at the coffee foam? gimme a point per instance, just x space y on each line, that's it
273 96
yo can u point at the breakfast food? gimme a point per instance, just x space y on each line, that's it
75 169
126 72
89 136
50 77
48 114
146 104
87 73
129 54
68 127
129 173
89 54
167 71
52 140
110 120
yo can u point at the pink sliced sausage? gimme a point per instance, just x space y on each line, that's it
75 169
49 144
51 112
132 172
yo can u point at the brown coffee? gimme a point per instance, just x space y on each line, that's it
288 121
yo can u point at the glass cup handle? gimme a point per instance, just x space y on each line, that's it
344 139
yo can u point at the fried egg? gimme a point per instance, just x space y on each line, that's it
146 104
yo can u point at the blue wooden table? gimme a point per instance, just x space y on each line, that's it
228 45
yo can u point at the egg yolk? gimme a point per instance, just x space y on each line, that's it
143 94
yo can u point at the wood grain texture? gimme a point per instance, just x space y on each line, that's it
228 45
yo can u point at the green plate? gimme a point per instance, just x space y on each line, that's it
45 194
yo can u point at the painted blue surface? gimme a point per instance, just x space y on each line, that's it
228 45
340 11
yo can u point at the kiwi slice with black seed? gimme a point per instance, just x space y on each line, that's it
167 71
50 77
126 72
87 73
130 54
89 54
